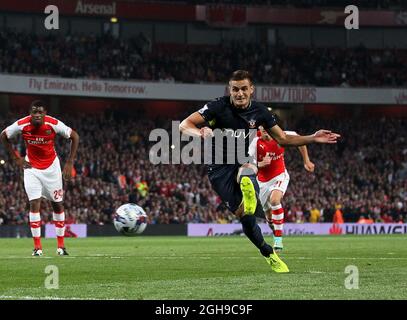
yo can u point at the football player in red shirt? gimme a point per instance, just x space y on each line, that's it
42 170
273 179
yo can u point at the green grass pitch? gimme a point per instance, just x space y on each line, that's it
218 268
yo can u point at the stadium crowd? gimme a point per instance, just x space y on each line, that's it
102 57
363 177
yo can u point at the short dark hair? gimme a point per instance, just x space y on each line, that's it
38 103
241 75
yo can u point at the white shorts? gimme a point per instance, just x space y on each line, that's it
45 183
279 182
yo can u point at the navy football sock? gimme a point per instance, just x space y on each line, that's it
253 232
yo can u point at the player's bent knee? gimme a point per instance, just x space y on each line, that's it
249 166
246 170
275 198
275 202
35 205
58 206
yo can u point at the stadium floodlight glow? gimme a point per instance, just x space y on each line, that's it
113 20
2 162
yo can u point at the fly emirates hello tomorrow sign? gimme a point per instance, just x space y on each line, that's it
85 7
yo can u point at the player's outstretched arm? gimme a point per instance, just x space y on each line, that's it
20 161
308 164
190 125
67 172
283 139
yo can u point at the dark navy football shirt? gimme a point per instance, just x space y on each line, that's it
236 128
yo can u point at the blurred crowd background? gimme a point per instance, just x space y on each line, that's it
363 177
107 57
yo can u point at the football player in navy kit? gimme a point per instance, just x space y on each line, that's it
236 183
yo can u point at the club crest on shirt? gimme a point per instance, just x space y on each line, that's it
252 123
48 132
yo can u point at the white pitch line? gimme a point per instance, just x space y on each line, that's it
366 258
36 298
19 257
200 257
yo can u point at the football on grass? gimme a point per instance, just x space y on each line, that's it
130 219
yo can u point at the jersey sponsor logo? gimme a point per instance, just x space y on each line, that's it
39 141
237 133
275 156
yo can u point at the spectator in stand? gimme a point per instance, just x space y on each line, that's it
315 215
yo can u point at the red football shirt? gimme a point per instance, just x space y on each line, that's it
276 166
259 148
39 140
